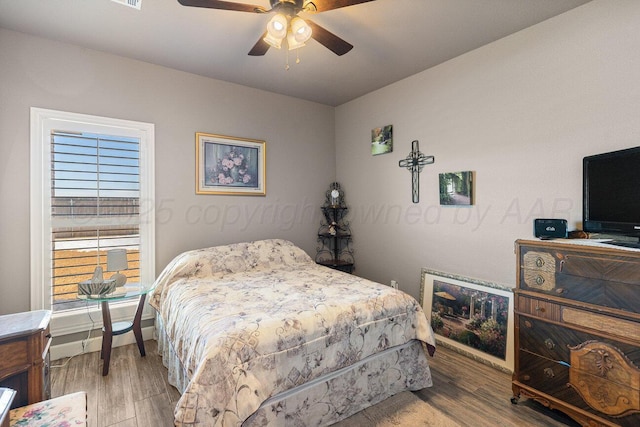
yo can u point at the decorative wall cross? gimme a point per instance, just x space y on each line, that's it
415 162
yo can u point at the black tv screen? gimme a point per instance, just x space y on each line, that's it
611 193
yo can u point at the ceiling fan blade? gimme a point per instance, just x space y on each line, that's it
224 5
328 39
324 5
261 47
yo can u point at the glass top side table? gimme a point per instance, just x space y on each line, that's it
6 399
110 329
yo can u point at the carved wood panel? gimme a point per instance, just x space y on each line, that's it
605 378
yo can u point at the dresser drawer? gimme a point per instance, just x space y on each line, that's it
539 308
546 340
12 355
610 268
621 327
543 374
555 379
538 270
605 378
600 279
554 341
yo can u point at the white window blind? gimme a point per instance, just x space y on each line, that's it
95 206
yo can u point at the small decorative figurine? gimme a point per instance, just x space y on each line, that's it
97 275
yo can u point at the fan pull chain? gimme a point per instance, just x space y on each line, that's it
286 67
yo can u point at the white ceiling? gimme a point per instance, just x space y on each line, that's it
393 39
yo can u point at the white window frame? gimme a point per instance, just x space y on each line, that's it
43 122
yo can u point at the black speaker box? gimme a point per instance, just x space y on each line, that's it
550 228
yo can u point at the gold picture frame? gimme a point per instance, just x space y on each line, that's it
230 165
470 316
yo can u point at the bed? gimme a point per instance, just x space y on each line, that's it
258 334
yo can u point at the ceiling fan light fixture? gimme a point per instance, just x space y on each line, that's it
277 26
280 25
276 31
300 30
272 41
293 42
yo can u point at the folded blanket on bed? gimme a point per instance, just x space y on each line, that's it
251 320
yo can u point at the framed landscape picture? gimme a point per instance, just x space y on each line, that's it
456 188
230 165
382 140
470 316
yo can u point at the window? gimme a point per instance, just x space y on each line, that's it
95 206
91 191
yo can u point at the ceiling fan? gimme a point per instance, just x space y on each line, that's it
286 24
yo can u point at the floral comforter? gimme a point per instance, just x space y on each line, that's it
251 320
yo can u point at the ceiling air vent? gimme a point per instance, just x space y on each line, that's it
131 3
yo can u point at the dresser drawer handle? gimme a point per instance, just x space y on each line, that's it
540 309
549 343
539 262
539 280
548 372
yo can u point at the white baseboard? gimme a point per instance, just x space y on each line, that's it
93 344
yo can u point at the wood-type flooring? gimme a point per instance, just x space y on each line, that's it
465 393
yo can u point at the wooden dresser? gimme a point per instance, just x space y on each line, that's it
577 330
24 356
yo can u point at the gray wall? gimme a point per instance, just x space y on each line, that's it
521 113
36 72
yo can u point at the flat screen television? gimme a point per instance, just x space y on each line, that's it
611 195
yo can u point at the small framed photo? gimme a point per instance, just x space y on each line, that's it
382 140
456 188
230 165
470 316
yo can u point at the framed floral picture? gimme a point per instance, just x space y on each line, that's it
470 316
230 165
